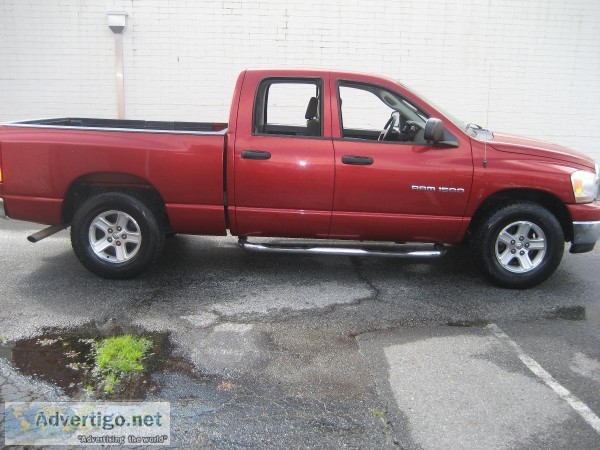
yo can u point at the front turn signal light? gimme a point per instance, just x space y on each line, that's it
585 186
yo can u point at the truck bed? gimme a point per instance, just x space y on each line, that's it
125 125
49 159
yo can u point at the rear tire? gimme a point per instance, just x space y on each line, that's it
117 236
519 245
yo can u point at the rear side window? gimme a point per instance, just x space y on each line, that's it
289 107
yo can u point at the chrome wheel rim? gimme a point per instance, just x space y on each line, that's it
115 236
520 247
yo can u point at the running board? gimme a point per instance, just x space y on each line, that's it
437 251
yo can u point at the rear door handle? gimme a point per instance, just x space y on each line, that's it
255 154
357 160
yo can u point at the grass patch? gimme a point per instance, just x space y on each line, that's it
378 413
88 364
2 339
118 359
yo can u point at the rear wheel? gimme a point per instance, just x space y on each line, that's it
115 235
520 245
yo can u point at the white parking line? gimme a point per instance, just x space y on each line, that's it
580 408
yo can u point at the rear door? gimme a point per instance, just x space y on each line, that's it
283 159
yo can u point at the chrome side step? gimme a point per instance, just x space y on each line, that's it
437 250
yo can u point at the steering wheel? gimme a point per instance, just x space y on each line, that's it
387 128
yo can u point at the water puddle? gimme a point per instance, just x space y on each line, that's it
97 362
567 313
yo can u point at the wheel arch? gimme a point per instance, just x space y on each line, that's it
93 184
506 196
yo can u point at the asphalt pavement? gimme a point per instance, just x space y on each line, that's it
329 351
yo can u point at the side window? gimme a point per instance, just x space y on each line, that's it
288 107
363 110
372 112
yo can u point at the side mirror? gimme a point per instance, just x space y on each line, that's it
434 130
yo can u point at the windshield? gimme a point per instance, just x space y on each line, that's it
459 123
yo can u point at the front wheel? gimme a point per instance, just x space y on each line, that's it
115 235
520 245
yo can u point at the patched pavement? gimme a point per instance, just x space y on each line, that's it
306 351
464 387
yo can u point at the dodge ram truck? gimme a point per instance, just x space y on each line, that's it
358 160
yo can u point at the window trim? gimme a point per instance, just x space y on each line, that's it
315 81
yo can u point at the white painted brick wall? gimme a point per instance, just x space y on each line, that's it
530 67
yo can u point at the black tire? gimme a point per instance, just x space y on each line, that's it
130 258
504 260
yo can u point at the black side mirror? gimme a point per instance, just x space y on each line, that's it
434 130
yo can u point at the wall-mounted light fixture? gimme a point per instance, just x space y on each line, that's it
117 22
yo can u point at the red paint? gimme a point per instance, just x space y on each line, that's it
395 227
540 149
585 213
304 189
283 222
384 191
185 219
32 208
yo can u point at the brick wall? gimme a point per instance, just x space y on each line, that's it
529 67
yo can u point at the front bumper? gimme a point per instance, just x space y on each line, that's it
3 214
585 235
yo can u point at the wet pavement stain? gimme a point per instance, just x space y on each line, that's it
567 313
468 323
66 358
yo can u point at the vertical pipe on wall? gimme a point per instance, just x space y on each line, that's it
119 74
117 22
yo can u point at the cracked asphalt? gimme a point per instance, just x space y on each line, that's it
328 351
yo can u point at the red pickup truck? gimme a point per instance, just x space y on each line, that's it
305 154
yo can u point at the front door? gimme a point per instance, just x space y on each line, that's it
392 185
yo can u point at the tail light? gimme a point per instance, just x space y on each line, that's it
597 182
